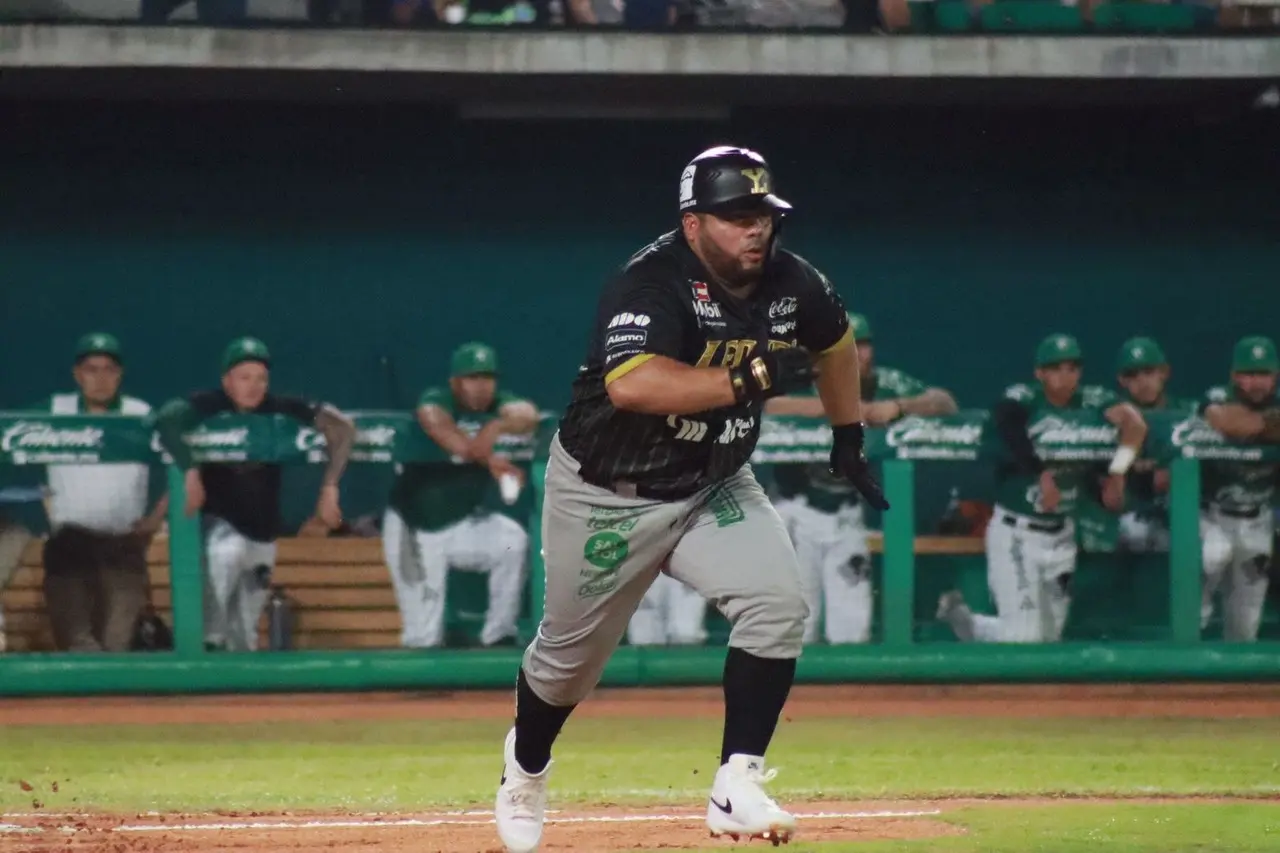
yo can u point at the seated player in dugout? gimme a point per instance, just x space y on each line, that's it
1031 540
1143 374
1236 521
446 515
241 500
95 560
821 510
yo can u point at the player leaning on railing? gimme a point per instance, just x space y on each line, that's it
1030 542
822 511
241 501
1236 524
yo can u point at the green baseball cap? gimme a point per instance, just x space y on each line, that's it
98 343
1056 349
1255 354
245 349
1139 352
861 328
474 358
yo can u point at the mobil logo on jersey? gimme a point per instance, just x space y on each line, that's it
707 310
934 438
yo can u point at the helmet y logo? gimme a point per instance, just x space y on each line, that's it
759 179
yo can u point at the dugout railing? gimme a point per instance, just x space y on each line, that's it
897 655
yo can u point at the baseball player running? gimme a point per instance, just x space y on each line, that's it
824 515
1143 372
443 515
1236 524
1030 542
241 500
664 415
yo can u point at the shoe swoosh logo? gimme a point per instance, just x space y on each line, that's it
726 806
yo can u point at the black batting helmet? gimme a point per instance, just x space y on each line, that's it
727 179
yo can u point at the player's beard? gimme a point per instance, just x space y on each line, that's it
727 267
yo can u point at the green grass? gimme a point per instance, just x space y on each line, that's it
1180 828
418 765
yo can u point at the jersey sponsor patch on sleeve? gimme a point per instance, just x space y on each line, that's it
627 318
625 339
616 356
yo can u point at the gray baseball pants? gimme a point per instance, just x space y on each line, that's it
602 550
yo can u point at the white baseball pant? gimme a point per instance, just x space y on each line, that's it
670 614
420 561
1028 573
237 585
1236 553
1142 534
835 569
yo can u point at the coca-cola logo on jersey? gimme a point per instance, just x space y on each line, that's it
782 307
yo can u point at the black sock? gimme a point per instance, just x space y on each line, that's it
537 726
755 689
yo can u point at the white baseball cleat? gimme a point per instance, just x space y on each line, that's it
521 806
953 610
739 807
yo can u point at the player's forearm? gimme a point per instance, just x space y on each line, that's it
173 421
441 429
1270 432
1010 420
664 386
931 403
809 407
839 385
339 436
1237 422
518 419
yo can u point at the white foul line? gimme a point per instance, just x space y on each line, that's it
444 821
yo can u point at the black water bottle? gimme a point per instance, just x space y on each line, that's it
279 620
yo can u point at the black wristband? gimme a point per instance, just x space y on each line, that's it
848 434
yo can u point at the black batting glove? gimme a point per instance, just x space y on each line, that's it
848 461
772 374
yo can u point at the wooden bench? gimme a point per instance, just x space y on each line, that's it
341 588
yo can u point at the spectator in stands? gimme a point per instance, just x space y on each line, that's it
207 11
443 515
649 14
241 501
95 560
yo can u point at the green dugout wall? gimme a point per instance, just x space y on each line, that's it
365 242
898 654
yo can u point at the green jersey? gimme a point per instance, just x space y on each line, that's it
1020 492
1141 496
821 488
1240 486
431 496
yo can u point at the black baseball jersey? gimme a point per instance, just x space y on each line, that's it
246 495
664 303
